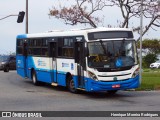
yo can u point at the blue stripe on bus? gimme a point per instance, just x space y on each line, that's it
21 36
90 84
44 76
93 85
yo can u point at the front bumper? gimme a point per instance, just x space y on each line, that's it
153 66
93 85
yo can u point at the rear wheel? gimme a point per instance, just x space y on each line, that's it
71 85
34 78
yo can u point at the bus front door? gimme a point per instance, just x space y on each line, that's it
52 55
80 60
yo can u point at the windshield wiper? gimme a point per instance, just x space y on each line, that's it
104 49
122 52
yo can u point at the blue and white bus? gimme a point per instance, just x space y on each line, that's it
99 59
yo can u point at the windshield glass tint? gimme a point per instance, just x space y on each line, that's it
112 54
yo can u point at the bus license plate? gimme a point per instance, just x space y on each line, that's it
116 86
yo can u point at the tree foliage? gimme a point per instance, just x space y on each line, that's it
148 59
151 46
83 12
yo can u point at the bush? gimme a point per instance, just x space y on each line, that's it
148 59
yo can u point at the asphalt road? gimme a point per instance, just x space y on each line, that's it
19 94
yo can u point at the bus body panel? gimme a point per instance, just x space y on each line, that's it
21 65
65 66
44 76
43 67
61 79
93 85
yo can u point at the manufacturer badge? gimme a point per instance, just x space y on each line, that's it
115 78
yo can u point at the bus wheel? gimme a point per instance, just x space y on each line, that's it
112 92
71 85
34 78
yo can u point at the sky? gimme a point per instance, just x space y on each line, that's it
39 21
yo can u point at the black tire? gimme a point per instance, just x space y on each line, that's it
34 78
71 85
112 92
6 69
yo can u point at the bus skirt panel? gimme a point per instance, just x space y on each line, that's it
93 85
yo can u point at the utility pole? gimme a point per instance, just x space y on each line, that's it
141 32
26 16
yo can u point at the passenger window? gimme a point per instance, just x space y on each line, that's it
68 52
65 47
68 42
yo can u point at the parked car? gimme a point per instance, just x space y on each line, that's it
8 63
155 65
2 58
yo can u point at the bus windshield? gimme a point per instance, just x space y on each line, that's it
112 54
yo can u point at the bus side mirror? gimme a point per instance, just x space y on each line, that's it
20 17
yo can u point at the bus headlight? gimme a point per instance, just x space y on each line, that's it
92 76
136 72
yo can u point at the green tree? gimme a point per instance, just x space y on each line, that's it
148 59
151 46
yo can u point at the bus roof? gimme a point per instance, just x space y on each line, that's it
73 32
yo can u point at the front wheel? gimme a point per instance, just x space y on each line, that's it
71 85
112 92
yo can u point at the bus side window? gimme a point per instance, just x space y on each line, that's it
67 49
19 46
45 51
44 47
68 52
24 49
19 50
60 45
52 49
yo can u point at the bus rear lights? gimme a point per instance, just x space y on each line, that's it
116 86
